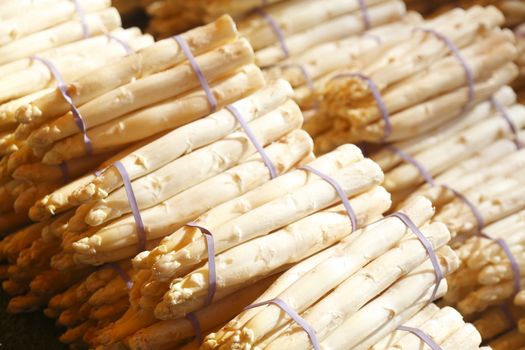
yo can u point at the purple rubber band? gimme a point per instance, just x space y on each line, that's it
409 159
304 72
366 16
377 97
513 262
294 316
212 271
64 169
124 44
196 69
122 274
503 112
61 85
430 180
455 51
195 324
248 131
82 15
132 200
276 29
428 247
349 210
421 335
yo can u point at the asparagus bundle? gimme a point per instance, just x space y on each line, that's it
345 164
381 264
463 156
389 94
445 326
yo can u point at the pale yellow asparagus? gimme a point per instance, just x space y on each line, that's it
422 117
39 172
152 89
153 59
252 173
19 241
387 159
8 120
354 180
27 198
38 76
370 281
163 334
162 117
186 139
401 295
38 19
458 148
295 242
342 265
61 34
197 166
467 337
422 316
337 28
10 9
58 201
339 158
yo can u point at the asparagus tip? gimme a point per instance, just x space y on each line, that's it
26 114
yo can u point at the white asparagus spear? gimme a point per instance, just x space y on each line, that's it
401 295
350 257
370 281
36 20
295 242
67 32
251 174
144 92
353 180
186 139
198 166
155 58
328 164
162 117
467 337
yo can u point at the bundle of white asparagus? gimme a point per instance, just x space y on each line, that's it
353 294
400 90
44 44
305 220
476 155
445 326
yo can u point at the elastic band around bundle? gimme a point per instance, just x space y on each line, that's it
124 44
120 271
212 271
364 12
377 97
455 51
61 85
307 78
421 335
248 131
195 324
132 200
196 69
503 112
276 29
348 207
82 16
428 247
64 169
430 180
294 316
513 262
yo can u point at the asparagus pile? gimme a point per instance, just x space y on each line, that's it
444 325
463 154
383 267
399 90
172 279
39 40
